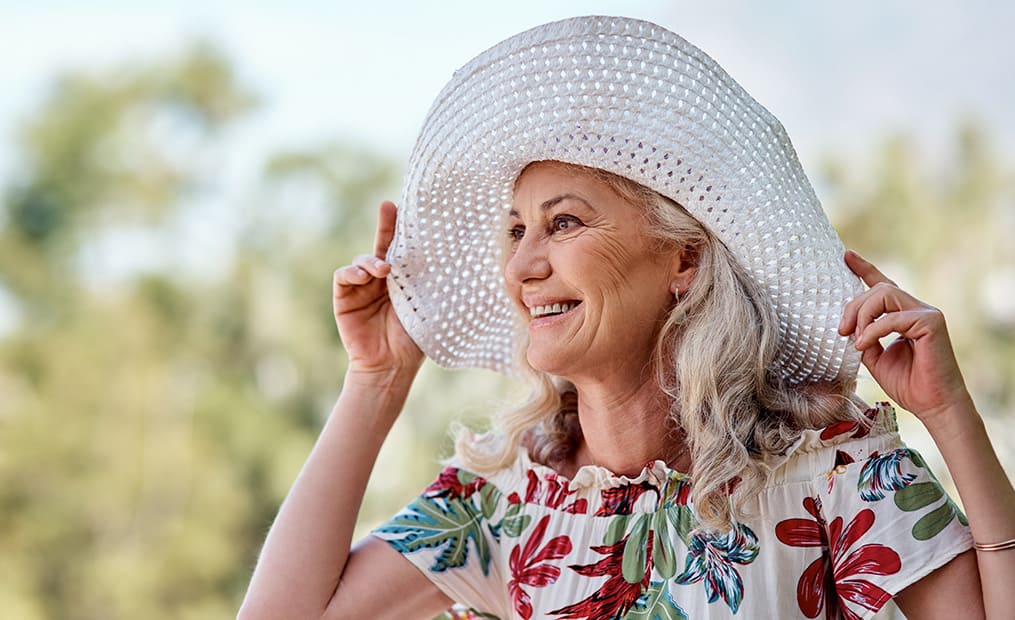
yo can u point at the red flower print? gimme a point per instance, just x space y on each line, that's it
617 595
842 459
528 566
835 569
859 428
449 485
552 492
620 500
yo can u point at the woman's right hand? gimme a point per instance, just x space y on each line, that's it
373 336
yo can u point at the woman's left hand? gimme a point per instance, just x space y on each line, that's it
918 370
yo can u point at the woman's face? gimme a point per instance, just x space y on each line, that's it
594 287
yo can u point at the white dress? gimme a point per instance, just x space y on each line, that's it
849 517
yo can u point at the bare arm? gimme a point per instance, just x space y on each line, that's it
306 569
919 371
989 501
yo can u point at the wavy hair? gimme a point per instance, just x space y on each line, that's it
714 358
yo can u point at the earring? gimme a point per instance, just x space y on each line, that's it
681 315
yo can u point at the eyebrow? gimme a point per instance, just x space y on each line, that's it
547 204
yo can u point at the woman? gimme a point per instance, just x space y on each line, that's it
596 206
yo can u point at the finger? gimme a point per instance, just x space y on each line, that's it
387 215
870 354
351 275
873 304
848 323
866 270
372 265
884 298
902 323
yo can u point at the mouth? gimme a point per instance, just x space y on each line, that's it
554 309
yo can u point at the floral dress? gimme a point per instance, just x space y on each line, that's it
849 517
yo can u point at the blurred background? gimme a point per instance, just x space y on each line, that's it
177 184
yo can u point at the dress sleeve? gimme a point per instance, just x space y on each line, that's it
887 520
448 533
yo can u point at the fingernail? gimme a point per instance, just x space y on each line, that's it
378 262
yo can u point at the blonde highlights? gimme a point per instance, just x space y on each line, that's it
714 358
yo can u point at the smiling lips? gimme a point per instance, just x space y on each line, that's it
552 309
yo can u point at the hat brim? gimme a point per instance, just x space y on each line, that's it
632 98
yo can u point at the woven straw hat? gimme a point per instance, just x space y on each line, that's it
632 98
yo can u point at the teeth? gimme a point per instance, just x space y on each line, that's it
538 311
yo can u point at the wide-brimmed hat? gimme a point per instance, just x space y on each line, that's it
637 100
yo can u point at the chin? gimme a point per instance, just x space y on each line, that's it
550 363
563 364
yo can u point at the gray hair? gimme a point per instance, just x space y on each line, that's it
714 358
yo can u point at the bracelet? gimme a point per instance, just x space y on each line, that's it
998 546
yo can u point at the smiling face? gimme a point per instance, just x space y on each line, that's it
594 286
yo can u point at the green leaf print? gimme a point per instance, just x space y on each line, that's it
513 523
663 524
636 551
682 519
931 524
616 530
663 555
489 496
917 496
923 494
655 603
430 523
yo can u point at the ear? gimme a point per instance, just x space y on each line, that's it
684 268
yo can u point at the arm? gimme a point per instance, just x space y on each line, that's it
306 569
919 371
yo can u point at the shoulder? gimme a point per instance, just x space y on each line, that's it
816 452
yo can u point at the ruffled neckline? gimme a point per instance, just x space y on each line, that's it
595 477
876 420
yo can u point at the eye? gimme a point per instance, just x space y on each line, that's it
515 233
564 223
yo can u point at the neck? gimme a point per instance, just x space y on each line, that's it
625 425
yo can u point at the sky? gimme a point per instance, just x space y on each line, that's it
840 76
836 74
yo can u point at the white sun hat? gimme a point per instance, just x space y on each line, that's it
637 100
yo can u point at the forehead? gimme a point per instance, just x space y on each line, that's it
550 182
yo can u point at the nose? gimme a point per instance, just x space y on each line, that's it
527 260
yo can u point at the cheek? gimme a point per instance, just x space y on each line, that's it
612 260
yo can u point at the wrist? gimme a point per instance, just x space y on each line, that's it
386 379
373 398
956 418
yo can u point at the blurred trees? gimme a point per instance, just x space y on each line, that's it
104 423
150 427
943 230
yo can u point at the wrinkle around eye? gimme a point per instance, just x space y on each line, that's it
574 223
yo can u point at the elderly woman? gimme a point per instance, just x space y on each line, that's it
596 206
